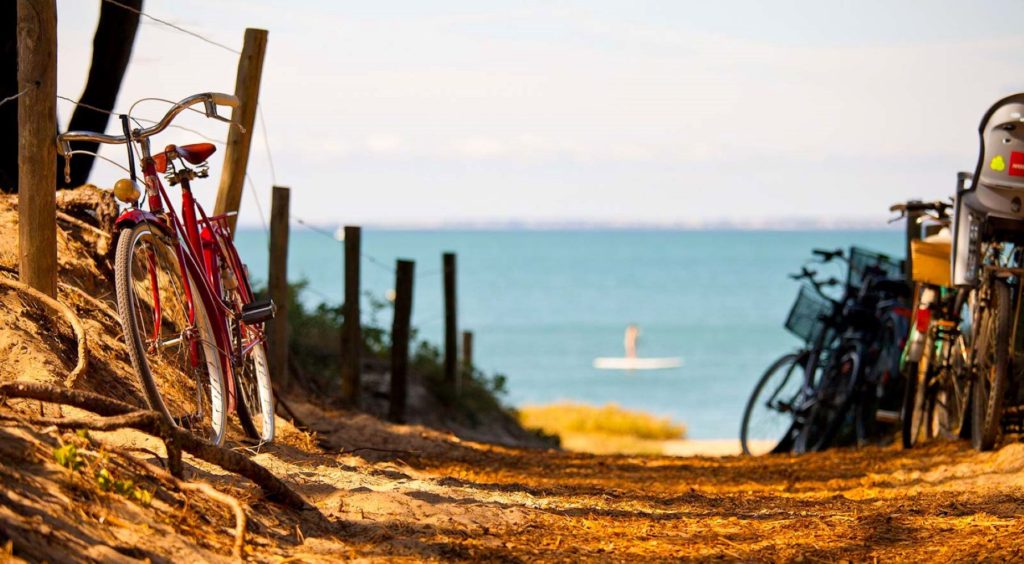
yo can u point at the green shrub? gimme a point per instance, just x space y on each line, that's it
314 344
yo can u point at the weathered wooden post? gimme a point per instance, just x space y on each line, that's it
37 156
277 285
451 373
351 332
467 353
236 154
400 339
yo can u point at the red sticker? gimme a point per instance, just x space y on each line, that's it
1016 164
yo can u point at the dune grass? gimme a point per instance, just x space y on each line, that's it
607 428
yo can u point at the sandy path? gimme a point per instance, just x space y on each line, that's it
383 492
434 497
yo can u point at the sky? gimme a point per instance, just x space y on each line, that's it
582 112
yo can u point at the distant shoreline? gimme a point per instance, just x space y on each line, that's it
779 227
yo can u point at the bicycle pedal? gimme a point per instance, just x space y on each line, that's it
258 312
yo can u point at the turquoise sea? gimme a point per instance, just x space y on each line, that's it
543 304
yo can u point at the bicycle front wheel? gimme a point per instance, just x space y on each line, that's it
917 405
838 391
992 351
769 417
167 328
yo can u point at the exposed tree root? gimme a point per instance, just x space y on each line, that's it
201 487
98 304
81 224
118 414
65 312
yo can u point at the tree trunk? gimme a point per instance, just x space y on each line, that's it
111 50
9 87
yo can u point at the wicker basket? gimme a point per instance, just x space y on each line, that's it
931 264
808 317
863 260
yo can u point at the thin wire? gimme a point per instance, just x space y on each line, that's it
320 293
378 262
179 28
13 96
369 258
259 206
316 229
266 144
111 161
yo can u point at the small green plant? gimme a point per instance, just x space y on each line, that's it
71 458
68 457
124 488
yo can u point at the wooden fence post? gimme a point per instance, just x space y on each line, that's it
400 339
236 154
277 286
351 332
37 155
467 353
451 373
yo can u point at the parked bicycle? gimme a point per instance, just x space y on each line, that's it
934 364
194 332
847 371
988 257
859 387
785 392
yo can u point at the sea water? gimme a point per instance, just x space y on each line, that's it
543 304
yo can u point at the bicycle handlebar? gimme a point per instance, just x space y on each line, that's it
827 255
209 99
938 206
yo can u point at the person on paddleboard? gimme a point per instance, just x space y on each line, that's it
632 334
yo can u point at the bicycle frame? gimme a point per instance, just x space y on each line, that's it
199 243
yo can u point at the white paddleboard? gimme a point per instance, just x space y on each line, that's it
625 363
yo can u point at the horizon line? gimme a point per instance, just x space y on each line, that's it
781 224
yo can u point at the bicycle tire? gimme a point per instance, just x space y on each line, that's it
883 385
130 308
254 391
916 413
828 416
911 405
993 345
783 366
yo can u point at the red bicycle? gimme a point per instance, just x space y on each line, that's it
194 332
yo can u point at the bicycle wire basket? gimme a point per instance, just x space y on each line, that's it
807 318
861 260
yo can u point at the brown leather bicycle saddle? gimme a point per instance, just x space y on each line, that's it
195 153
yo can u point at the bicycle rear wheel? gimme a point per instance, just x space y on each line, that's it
991 358
171 342
770 414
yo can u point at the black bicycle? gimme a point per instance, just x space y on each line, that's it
784 394
848 365
860 391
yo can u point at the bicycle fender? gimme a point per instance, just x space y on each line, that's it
133 217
